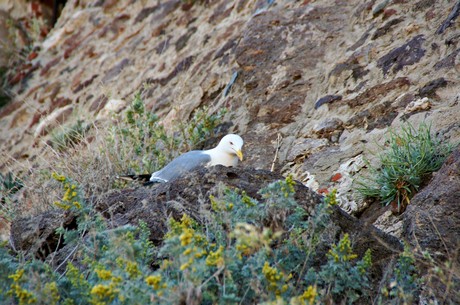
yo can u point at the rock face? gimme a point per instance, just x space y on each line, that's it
37 235
432 221
336 71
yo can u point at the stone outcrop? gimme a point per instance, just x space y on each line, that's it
432 224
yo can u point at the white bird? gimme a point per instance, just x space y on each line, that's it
226 153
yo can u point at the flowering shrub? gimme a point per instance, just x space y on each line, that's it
229 257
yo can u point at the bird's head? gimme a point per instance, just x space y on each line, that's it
232 144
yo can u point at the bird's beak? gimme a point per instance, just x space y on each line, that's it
239 154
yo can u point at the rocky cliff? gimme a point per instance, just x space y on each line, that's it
310 85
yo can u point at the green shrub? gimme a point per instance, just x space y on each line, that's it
404 285
228 257
411 157
344 280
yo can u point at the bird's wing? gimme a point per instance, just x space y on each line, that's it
141 178
181 165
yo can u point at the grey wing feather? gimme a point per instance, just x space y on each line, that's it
181 165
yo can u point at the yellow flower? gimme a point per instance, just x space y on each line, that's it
186 221
276 279
116 279
132 269
188 251
104 274
187 264
200 254
214 204
366 262
154 281
57 177
269 272
309 295
186 237
24 296
343 251
284 288
101 291
62 205
17 276
246 199
52 292
290 183
200 240
331 198
215 258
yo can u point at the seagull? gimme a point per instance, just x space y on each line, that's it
226 153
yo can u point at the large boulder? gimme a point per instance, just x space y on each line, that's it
432 224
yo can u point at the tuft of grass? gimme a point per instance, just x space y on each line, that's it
411 157
69 136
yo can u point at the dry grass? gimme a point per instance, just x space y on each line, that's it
93 163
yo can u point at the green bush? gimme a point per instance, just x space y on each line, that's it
345 280
404 284
411 157
228 257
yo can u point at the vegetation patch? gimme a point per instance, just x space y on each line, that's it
69 136
412 155
227 257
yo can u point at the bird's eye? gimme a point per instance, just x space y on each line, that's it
231 143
